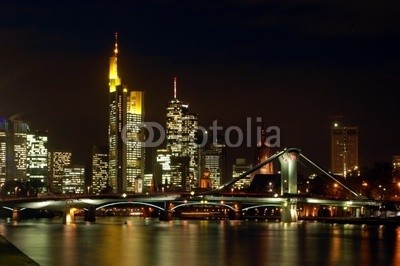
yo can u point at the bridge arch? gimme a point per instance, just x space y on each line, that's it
202 203
129 202
261 206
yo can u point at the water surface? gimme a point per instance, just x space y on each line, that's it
139 241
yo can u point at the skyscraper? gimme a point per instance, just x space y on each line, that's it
99 169
37 157
181 156
57 161
3 150
126 111
17 150
213 158
73 181
344 149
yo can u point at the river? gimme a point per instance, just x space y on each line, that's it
140 241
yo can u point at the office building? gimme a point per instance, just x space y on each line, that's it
57 161
73 180
3 150
180 159
99 169
240 167
263 152
37 151
126 112
344 150
213 159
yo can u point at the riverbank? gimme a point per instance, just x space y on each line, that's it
11 255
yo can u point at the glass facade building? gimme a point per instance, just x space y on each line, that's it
126 112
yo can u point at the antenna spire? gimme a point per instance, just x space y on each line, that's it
116 44
175 78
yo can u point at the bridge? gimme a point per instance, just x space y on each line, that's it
290 203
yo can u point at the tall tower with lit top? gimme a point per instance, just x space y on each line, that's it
126 112
182 172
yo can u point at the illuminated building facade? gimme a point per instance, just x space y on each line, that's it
213 158
37 157
396 162
73 180
148 183
126 114
164 159
182 153
57 161
99 169
344 150
263 152
3 150
240 167
17 150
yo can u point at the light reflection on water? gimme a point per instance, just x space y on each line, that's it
137 241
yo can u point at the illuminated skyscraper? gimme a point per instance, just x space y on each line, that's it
73 181
57 161
181 152
344 150
3 150
99 169
213 158
239 168
17 150
126 112
23 154
37 157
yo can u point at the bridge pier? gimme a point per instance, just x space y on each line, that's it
236 214
90 214
69 216
288 162
16 214
289 211
166 215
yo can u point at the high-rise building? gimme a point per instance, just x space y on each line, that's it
213 158
240 167
263 152
57 161
73 180
164 159
148 183
3 150
344 150
37 157
99 169
23 154
181 152
17 150
126 112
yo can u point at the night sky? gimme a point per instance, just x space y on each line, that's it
295 64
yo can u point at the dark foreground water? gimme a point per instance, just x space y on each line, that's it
138 241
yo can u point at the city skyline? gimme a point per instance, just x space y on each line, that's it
286 63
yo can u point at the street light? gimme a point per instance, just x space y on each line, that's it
16 191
